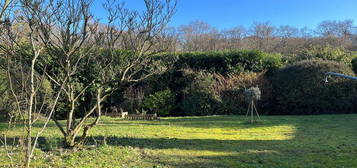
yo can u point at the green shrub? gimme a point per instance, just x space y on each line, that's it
204 93
198 96
228 62
198 104
300 89
325 52
232 92
354 65
161 102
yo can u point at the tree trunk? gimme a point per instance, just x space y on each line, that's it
70 141
99 113
29 112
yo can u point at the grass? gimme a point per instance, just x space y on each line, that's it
214 141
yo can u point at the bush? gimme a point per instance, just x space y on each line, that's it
325 52
198 96
161 102
300 89
232 88
354 65
227 62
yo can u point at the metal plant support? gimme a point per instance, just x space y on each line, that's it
252 94
329 74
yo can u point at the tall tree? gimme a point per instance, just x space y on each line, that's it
87 57
234 37
336 33
30 91
67 30
199 36
287 37
262 35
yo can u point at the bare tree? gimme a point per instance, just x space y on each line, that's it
137 32
66 30
71 35
234 37
168 40
262 35
287 36
335 33
5 10
199 36
28 88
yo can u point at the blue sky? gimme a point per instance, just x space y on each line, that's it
230 13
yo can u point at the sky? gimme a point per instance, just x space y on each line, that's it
224 14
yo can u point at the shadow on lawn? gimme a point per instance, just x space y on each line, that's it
184 144
46 144
225 122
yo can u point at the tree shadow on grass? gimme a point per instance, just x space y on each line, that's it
224 122
46 144
200 152
183 144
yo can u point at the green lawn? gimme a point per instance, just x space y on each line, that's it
215 141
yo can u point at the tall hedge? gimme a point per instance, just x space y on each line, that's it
226 62
300 89
195 92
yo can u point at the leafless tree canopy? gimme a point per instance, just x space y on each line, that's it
285 39
49 44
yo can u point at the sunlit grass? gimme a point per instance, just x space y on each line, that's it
215 141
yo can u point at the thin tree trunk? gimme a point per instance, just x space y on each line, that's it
88 127
29 113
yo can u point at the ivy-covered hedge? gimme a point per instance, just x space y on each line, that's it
300 89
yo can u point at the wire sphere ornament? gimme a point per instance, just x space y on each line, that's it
252 94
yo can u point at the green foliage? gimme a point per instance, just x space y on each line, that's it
199 96
195 95
354 65
233 88
191 78
5 101
204 93
226 62
19 72
326 52
300 89
161 102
